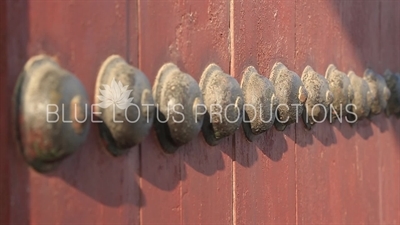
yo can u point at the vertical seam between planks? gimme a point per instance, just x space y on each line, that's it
5 202
295 125
139 28
181 164
341 32
140 184
380 212
397 62
138 49
231 68
380 32
127 32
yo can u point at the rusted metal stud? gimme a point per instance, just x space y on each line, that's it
259 103
290 93
393 83
51 113
361 104
223 99
319 97
343 93
124 103
178 117
379 91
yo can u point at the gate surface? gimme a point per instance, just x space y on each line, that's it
338 174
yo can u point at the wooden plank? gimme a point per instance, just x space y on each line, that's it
160 173
264 170
388 36
193 185
207 189
319 161
4 115
344 177
17 172
91 186
397 33
389 143
360 50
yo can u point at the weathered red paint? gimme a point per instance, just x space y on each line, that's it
4 138
360 52
195 184
332 174
91 186
264 170
338 174
318 165
389 160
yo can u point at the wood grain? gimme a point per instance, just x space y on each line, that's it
194 185
318 163
264 170
91 186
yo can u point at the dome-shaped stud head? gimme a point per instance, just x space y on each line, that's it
51 113
260 103
124 103
179 102
223 99
319 97
291 95
341 90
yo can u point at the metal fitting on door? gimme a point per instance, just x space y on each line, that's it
290 93
380 93
343 93
393 83
51 113
124 102
319 97
223 99
177 96
260 103
362 97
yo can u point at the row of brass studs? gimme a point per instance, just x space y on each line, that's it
51 105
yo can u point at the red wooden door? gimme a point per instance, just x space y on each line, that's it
335 173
